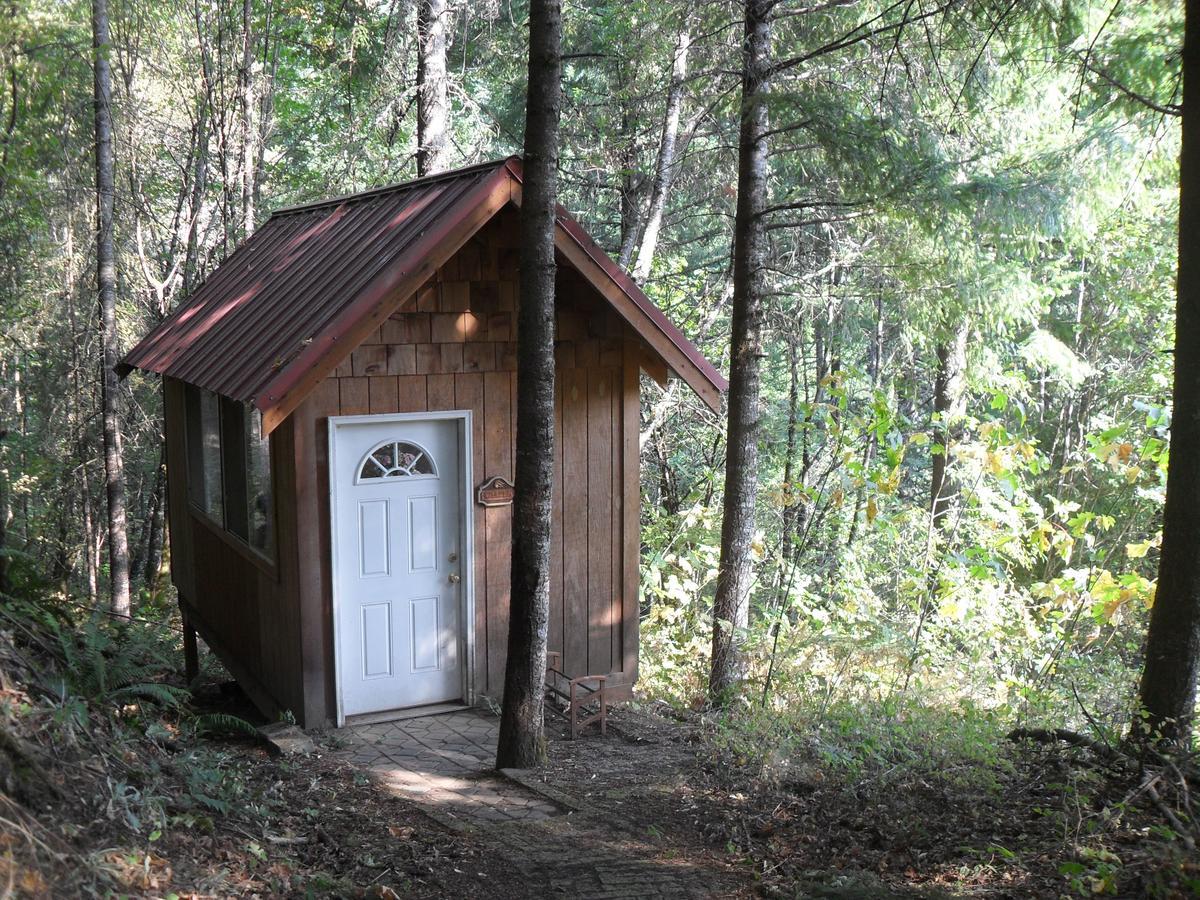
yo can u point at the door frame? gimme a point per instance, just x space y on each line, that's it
466 602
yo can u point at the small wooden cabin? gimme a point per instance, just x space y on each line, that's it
340 405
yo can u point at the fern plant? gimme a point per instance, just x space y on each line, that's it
224 723
111 663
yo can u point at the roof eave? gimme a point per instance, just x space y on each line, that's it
280 396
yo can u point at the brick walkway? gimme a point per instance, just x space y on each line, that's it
446 763
563 848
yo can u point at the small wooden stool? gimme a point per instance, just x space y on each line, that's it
578 694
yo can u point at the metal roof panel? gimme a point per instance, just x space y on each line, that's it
287 298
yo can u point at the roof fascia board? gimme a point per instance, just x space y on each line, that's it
705 387
287 390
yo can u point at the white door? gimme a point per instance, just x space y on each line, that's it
398 562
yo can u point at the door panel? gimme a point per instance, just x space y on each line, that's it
424 628
398 562
373 538
377 639
422 530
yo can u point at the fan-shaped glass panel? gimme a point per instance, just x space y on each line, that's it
396 459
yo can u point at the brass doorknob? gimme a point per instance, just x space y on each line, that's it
454 579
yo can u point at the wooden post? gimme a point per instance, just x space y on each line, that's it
191 655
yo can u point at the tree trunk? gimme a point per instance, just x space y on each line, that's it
794 500
199 186
1168 688
91 534
157 522
249 132
106 277
874 370
5 515
432 106
949 406
521 743
664 170
731 603
631 184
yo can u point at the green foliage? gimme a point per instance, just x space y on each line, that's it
857 741
224 723
112 664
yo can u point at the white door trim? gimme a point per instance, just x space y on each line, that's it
466 637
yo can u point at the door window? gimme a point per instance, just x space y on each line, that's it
393 459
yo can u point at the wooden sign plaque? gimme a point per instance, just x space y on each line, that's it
495 491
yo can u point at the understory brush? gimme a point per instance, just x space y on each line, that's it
942 728
929 799
117 779
101 755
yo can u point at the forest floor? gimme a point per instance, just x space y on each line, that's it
659 807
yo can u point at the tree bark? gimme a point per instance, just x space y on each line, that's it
1168 687
521 742
794 501
249 131
199 186
106 278
874 371
632 182
949 406
432 106
156 524
664 170
731 603
5 515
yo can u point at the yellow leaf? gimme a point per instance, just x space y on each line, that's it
952 609
995 463
872 510
1137 551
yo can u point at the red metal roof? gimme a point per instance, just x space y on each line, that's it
290 302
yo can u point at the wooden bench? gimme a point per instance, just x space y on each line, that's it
581 701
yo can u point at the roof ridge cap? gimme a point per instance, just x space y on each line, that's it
369 193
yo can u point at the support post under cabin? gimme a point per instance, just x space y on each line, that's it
191 655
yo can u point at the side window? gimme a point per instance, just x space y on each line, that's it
229 467
261 512
203 434
233 464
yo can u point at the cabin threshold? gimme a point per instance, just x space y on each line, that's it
411 712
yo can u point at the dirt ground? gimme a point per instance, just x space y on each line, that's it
656 810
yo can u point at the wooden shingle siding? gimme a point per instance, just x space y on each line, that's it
452 346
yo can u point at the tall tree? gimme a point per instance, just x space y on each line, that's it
249 132
1168 687
732 600
521 742
949 406
106 278
664 169
433 110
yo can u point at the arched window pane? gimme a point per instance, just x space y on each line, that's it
396 459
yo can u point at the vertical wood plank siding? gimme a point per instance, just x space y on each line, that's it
451 346
244 607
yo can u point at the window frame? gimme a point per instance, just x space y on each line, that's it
385 475
234 455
